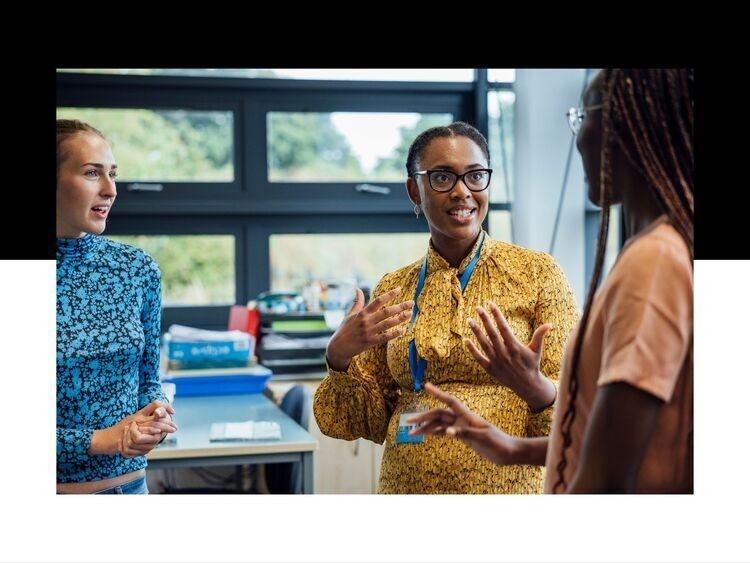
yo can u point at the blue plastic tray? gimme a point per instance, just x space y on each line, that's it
218 385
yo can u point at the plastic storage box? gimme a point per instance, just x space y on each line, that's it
192 386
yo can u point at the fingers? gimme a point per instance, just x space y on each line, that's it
432 415
465 432
390 334
142 420
481 359
396 319
484 342
537 340
149 409
136 437
359 302
126 448
509 339
457 406
435 428
381 300
136 443
402 309
159 427
499 345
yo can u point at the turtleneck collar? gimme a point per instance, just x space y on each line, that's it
76 247
436 262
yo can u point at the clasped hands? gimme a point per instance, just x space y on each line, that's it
136 434
144 429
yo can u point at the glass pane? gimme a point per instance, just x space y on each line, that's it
343 146
501 74
500 107
195 269
360 259
393 74
501 225
165 145
613 239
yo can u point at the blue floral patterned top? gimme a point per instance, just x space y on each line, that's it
108 327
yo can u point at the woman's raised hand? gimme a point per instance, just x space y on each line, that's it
458 421
365 327
510 362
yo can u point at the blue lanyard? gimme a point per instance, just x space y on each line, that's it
418 365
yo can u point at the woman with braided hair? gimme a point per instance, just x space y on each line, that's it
624 416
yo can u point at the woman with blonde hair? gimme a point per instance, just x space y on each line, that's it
111 410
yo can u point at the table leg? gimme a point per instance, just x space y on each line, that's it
307 473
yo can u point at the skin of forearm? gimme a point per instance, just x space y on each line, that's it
541 394
529 451
338 364
103 443
622 421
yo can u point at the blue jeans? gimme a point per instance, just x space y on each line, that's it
134 487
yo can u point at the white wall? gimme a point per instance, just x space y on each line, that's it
542 138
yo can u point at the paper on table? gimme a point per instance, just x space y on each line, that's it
249 430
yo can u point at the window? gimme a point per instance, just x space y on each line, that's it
195 269
501 74
614 238
343 146
239 186
165 145
500 136
500 226
360 259
500 105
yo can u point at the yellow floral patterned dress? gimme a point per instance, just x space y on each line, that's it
530 289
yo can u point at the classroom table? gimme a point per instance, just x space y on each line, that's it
194 416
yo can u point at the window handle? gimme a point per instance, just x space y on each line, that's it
145 187
371 189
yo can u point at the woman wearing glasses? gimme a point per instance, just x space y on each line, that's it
624 420
423 325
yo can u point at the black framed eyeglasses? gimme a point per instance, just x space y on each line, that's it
476 180
576 115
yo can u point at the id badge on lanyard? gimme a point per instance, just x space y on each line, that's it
418 365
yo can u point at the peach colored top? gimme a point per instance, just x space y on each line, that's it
640 332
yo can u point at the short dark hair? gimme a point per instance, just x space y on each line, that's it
455 129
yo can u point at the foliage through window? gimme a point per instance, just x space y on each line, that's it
195 269
165 145
361 259
343 146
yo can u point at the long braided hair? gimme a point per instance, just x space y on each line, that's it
649 114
